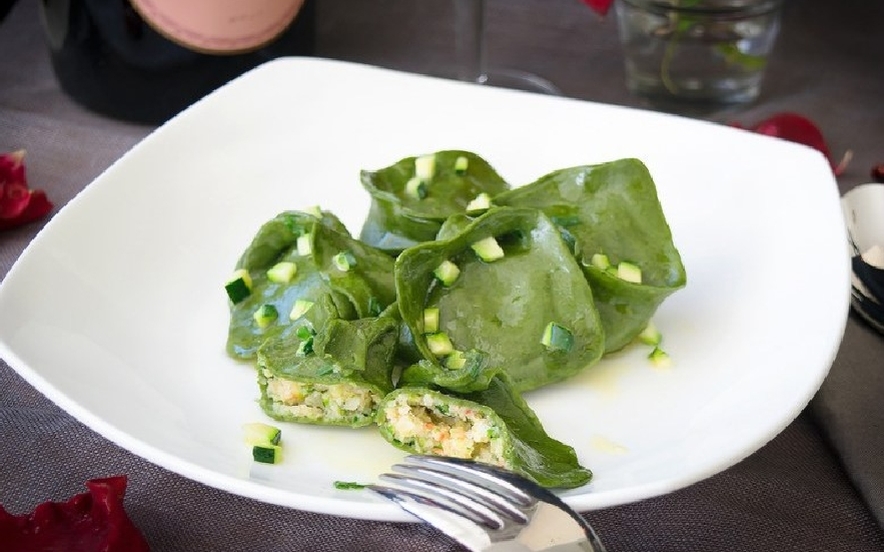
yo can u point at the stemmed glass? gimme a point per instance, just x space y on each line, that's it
469 25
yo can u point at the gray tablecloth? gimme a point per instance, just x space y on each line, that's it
819 485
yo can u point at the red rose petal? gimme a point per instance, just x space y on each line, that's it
93 521
13 188
14 200
877 173
798 128
18 204
601 7
37 207
12 166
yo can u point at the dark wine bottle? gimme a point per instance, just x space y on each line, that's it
146 60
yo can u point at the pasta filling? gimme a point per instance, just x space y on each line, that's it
432 427
338 402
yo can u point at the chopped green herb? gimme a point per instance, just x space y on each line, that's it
306 335
304 332
349 485
306 347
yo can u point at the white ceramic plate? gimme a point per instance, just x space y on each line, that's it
864 212
117 311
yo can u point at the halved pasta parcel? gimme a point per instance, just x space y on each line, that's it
507 285
492 425
612 214
336 376
412 198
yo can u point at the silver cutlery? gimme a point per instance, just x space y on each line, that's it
487 509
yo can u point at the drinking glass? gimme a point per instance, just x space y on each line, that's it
469 21
712 51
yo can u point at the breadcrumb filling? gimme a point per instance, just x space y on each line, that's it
433 427
339 402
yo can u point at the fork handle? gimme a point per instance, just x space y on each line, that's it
513 546
551 529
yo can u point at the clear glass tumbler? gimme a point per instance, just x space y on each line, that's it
701 51
469 22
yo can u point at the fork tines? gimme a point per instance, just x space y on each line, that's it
480 493
484 507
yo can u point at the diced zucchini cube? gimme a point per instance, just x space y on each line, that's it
259 433
416 188
488 249
431 320
282 273
344 261
305 245
425 167
315 211
660 358
557 338
460 165
239 286
300 308
440 344
447 272
600 261
265 315
650 335
629 272
479 204
455 360
267 453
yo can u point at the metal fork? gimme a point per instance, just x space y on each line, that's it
486 509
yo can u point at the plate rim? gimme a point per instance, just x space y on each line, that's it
379 510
